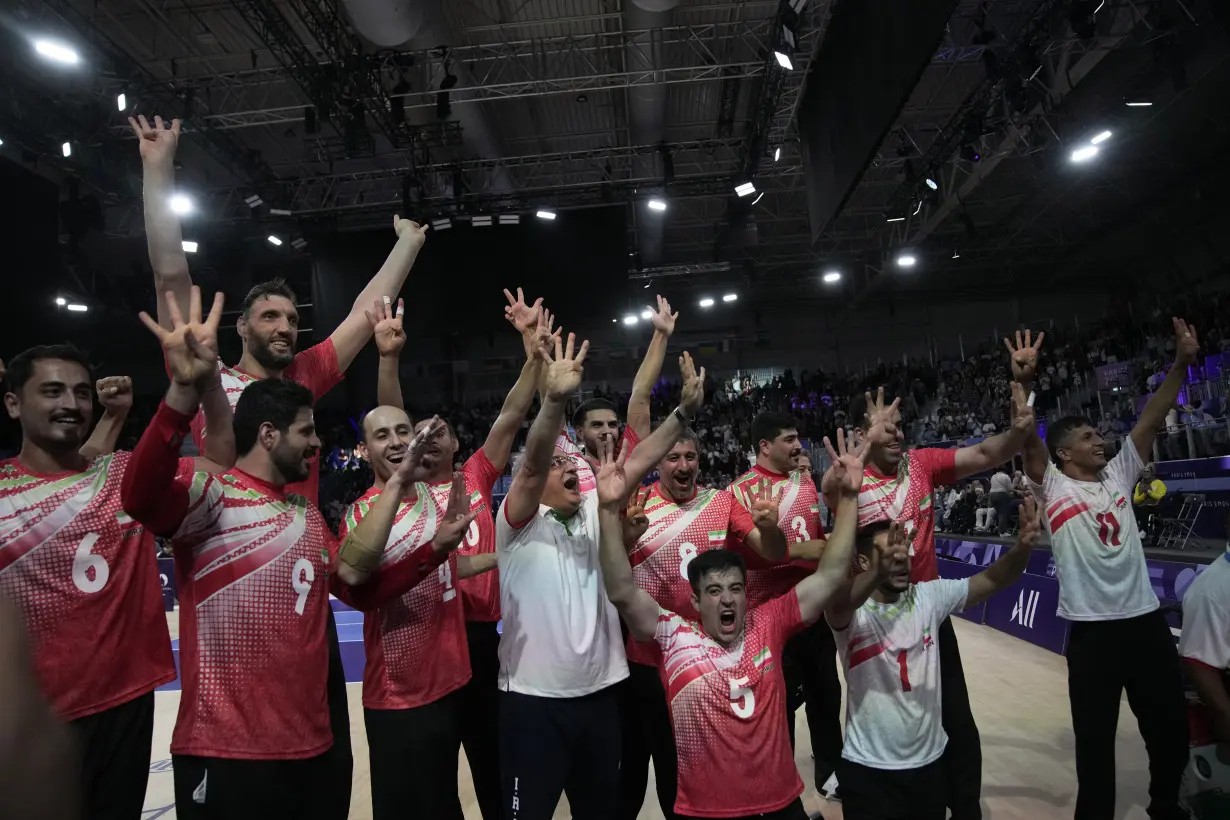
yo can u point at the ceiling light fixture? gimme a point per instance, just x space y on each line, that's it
1139 104
646 313
67 149
548 215
931 183
783 60
61 301
906 260
777 153
56 52
121 102
759 196
629 319
181 205
273 240
895 219
189 246
656 204
706 302
745 189
730 297
1084 153
77 308
831 277
1100 138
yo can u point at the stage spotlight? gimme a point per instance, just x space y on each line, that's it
273 240
906 260
730 297
67 149
77 308
783 60
1100 138
548 215
629 319
777 153
1084 153
657 204
706 302
189 246
181 205
56 52
121 102
832 277
932 184
745 189
61 301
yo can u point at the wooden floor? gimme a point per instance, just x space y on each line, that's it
1019 695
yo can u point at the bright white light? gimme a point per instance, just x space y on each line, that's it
629 319
77 308
777 153
181 205
932 184
1100 138
783 60
646 314
896 219
121 102
67 149
1084 153
831 277
189 246
906 261
545 214
1 142
745 188
61 301
706 302
56 51
273 240
956 254
730 297
1139 104
759 197
657 204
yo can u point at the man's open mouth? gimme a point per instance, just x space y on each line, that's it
396 457
570 482
726 618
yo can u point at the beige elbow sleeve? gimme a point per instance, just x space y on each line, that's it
359 556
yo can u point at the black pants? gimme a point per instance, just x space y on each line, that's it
893 794
1105 658
810 668
647 734
480 717
792 812
963 755
554 745
212 788
413 757
115 748
338 762
1004 507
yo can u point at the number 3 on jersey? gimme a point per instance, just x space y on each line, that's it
799 527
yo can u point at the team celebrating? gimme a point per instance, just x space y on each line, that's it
641 621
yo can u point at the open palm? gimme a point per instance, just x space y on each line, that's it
190 347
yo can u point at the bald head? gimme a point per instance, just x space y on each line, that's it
386 440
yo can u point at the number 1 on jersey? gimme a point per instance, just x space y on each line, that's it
445 574
905 672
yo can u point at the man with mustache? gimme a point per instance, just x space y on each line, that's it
810 658
681 522
430 683
891 765
269 327
900 486
255 566
83 573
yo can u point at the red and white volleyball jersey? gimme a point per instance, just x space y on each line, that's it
416 644
480 594
677 533
1099 557
798 517
728 712
586 482
315 368
86 578
891 657
1206 617
909 497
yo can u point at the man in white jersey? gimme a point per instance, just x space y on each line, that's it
561 653
892 760
1205 643
1119 640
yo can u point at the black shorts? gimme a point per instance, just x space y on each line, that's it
893 794
114 746
794 811
413 759
214 788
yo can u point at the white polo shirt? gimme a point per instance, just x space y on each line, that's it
1206 617
561 635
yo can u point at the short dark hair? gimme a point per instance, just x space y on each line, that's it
21 366
688 434
277 401
263 290
1057 434
769 424
717 560
865 538
586 407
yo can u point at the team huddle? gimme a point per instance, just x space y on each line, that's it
659 621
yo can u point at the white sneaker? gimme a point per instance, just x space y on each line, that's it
829 790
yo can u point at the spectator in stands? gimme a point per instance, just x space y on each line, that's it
1001 498
1146 497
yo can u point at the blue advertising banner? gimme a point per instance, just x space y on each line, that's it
166 575
958 569
1026 610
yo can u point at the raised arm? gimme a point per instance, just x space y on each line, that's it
994 451
1005 571
390 336
163 235
639 417
636 607
878 415
1186 346
1024 360
115 396
894 549
218 454
538 340
654 448
355 330
767 539
833 571
563 379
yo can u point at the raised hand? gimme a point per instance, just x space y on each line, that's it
564 371
1186 345
610 475
522 316
1024 356
412 229
543 336
190 347
114 393
1022 414
880 414
895 548
635 522
693 386
410 468
387 326
158 141
847 462
457 517
662 319
1031 522
765 506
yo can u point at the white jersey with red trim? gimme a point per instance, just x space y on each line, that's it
1206 617
891 657
1099 557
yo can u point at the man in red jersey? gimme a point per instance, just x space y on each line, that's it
84 575
255 567
810 661
681 522
900 486
424 693
269 328
722 673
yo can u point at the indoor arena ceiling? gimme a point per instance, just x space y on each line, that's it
509 106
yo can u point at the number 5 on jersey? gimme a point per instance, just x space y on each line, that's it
742 698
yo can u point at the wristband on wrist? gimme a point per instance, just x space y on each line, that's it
679 414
